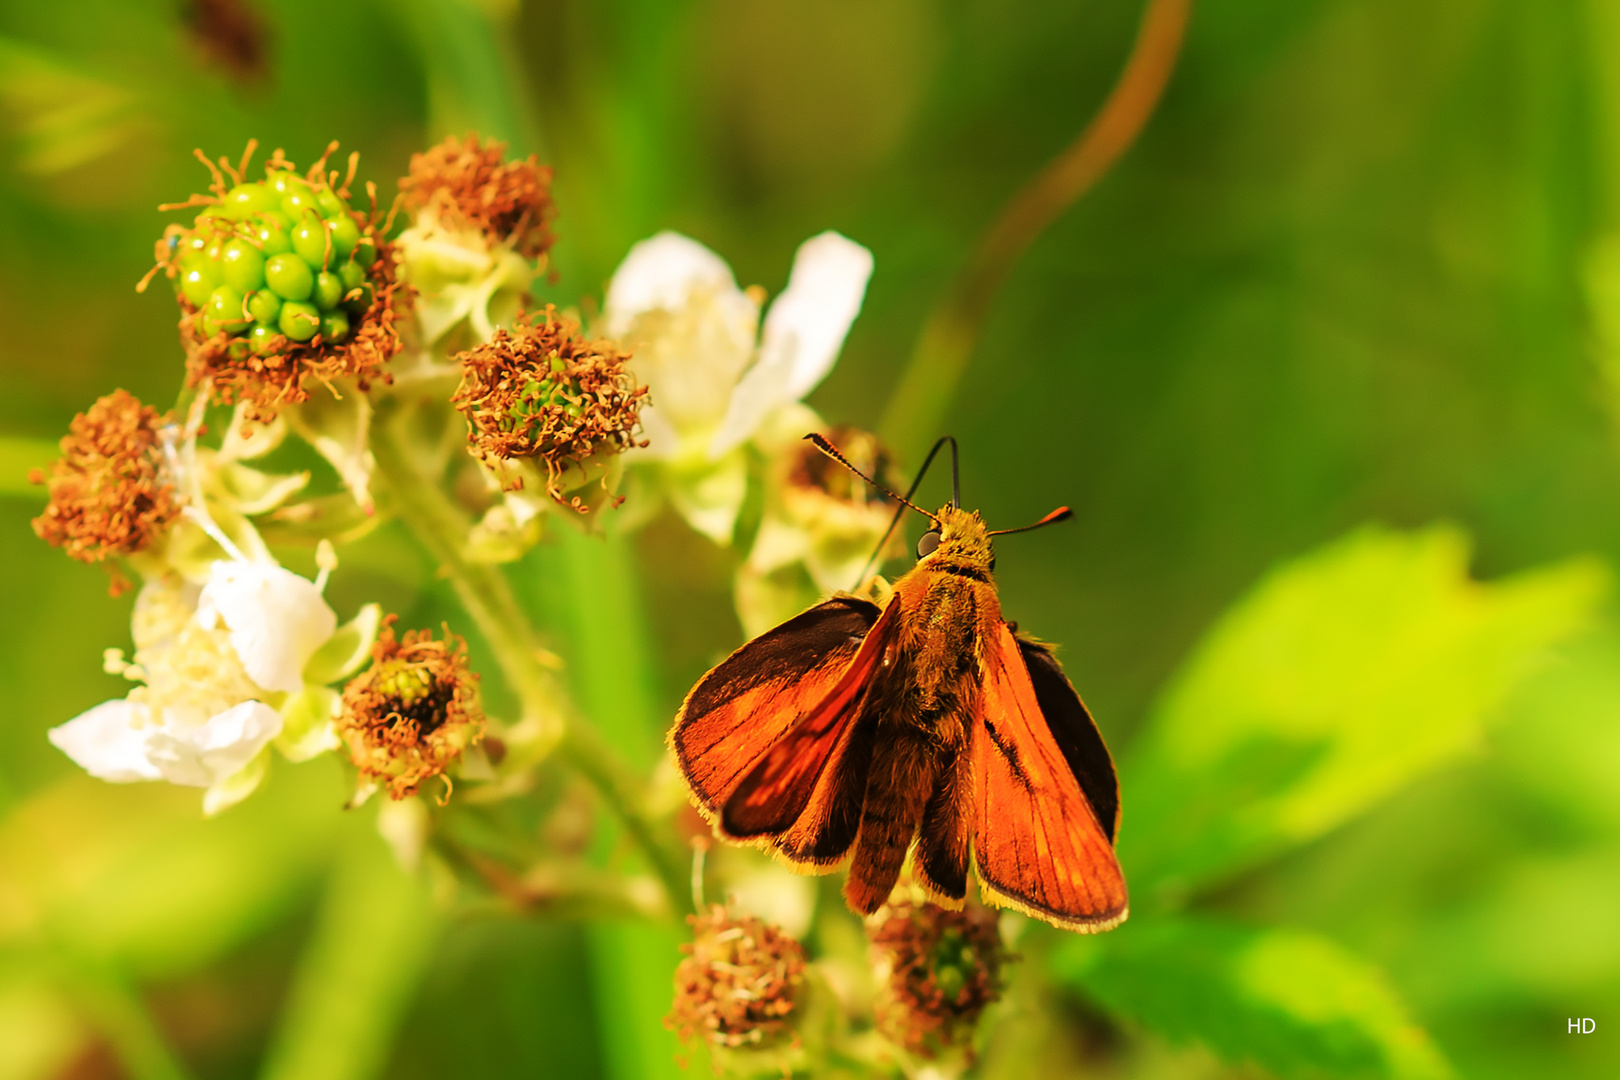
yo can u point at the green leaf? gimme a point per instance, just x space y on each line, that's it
1341 677
63 117
1292 1002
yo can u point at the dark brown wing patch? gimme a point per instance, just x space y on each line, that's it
1075 733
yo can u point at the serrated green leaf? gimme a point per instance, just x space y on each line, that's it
1292 1002
1339 678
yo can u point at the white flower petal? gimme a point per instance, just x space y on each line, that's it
106 742
276 618
811 318
203 756
804 330
661 272
766 388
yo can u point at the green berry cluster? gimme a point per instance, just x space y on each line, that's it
536 396
279 256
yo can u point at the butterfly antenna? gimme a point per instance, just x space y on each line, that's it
832 451
1062 513
900 511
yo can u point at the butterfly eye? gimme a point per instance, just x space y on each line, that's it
927 543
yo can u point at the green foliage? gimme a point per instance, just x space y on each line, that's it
1294 1003
1338 679
359 971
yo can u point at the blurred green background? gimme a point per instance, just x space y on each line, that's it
1352 274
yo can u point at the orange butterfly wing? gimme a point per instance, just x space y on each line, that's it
1038 843
757 735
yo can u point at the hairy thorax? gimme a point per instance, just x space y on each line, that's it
950 602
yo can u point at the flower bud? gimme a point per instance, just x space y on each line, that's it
739 984
544 396
409 716
937 971
111 492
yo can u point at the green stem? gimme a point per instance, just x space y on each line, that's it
128 1027
487 595
946 343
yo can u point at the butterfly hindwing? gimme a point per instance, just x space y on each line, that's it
1037 841
739 710
941 860
1076 733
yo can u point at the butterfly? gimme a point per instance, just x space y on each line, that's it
928 726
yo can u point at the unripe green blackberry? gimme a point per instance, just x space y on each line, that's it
279 280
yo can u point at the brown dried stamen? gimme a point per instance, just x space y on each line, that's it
543 392
110 492
413 712
739 983
469 185
944 969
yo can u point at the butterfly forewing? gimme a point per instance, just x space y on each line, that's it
1037 842
779 789
741 709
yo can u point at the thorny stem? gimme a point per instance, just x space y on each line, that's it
560 890
487 595
948 337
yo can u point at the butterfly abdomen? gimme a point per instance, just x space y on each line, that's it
903 773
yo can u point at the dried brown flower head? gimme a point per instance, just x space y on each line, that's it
938 970
411 714
469 185
739 983
544 393
111 493
273 370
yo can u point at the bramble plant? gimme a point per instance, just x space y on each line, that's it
396 344
370 370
